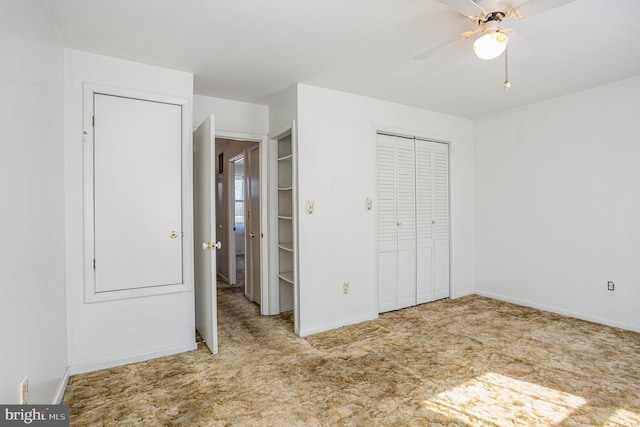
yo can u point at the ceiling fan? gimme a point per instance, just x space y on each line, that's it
488 17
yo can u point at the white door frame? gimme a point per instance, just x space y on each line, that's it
262 141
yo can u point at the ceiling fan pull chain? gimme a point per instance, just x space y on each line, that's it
507 83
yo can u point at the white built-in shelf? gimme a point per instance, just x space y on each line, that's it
285 158
286 246
285 186
287 276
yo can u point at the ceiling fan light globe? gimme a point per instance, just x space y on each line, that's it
490 45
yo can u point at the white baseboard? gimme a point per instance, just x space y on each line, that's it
62 386
120 361
561 311
462 294
307 332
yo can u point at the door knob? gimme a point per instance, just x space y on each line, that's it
252 234
210 245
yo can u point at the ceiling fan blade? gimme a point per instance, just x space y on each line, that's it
465 7
432 51
529 8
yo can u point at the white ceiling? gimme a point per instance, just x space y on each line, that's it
251 50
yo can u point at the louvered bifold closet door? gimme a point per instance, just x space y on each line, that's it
406 224
425 221
441 217
386 223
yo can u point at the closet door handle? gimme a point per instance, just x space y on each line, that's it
252 234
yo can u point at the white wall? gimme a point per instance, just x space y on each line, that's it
32 302
336 152
558 202
234 116
121 331
284 110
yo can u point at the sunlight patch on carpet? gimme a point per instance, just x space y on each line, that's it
623 418
516 402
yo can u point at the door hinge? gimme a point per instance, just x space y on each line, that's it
94 263
93 121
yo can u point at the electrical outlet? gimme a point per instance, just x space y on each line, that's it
24 391
345 288
610 286
309 207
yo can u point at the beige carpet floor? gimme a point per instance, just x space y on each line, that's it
472 361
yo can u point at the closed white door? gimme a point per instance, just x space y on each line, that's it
412 221
204 214
425 221
137 202
406 222
432 216
386 223
396 222
253 224
441 219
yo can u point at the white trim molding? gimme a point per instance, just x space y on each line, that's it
563 312
62 387
120 361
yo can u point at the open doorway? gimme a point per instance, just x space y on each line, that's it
215 159
238 221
